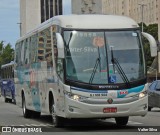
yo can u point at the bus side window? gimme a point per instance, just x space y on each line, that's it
48 54
26 51
33 48
16 53
12 72
19 51
41 47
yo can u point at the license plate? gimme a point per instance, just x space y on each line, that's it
110 110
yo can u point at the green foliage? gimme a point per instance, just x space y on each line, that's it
153 30
6 53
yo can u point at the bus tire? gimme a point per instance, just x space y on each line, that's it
26 113
10 100
5 99
149 108
122 121
57 121
36 114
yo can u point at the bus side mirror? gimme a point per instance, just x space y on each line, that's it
60 45
153 44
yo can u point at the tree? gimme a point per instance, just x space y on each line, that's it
6 53
153 30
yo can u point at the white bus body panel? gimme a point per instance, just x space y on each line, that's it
86 22
82 110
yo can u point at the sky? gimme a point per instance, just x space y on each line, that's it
9 17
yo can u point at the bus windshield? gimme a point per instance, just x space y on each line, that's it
104 57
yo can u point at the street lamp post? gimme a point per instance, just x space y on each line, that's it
20 28
142 8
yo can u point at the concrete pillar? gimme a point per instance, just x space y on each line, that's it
30 15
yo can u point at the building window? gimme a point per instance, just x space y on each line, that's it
51 8
47 4
42 11
58 7
48 10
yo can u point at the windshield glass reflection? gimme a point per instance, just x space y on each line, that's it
88 56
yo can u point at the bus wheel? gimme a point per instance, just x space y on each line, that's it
57 121
149 108
26 113
36 114
121 121
10 100
5 99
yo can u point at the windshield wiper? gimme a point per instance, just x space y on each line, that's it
98 62
94 70
119 69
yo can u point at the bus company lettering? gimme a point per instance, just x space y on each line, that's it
86 34
109 87
83 50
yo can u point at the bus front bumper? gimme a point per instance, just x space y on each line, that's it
76 109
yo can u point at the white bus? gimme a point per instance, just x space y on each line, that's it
83 66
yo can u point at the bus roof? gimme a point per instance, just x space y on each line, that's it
8 64
92 21
95 21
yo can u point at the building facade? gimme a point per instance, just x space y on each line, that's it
133 8
29 15
87 7
35 12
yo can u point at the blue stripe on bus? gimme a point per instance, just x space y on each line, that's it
132 90
90 91
136 89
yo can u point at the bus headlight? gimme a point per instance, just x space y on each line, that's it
78 97
75 96
142 94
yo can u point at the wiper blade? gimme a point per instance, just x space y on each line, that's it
119 69
94 70
121 72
